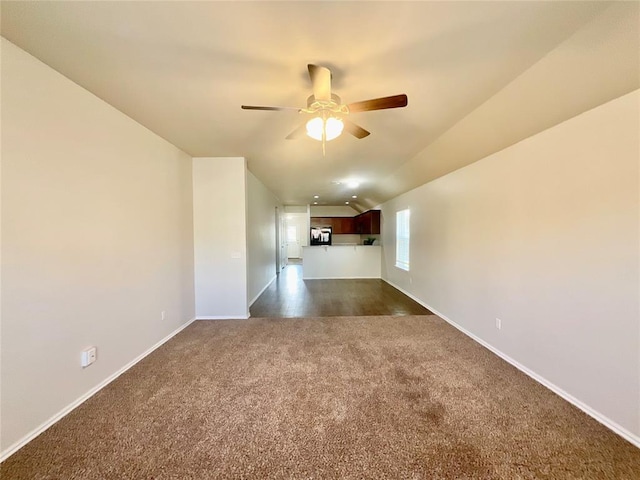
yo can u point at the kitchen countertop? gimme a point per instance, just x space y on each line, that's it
342 245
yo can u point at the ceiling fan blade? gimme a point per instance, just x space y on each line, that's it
254 107
321 81
354 129
393 101
299 132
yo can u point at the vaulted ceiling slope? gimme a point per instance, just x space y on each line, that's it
479 76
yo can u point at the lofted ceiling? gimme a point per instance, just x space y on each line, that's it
182 69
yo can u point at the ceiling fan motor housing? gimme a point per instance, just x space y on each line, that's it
326 107
334 105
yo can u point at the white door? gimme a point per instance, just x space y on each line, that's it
279 249
293 241
283 242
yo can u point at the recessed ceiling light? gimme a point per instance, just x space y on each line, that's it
315 203
316 196
353 184
354 196
347 203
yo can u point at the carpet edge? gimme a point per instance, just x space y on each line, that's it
83 398
600 418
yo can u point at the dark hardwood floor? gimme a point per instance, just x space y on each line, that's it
291 296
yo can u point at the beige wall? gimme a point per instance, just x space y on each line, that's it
333 211
261 236
96 242
220 237
545 236
296 209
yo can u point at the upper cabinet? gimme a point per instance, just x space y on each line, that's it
367 223
343 225
322 221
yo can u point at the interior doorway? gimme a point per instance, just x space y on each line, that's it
281 253
293 242
296 235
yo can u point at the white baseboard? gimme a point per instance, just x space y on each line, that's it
224 317
604 420
341 278
262 291
62 413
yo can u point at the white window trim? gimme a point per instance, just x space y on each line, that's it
403 239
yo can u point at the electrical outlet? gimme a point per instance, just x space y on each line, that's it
88 356
498 324
163 315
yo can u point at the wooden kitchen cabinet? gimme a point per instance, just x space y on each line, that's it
365 223
339 225
343 225
321 222
368 223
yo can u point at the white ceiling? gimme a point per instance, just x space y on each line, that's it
182 69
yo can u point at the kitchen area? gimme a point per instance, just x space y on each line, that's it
342 245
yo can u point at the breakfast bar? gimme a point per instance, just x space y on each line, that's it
341 261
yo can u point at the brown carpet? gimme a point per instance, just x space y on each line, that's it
343 397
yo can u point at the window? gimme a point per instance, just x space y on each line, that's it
402 239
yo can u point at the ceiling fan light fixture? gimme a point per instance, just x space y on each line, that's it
314 128
332 128
325 106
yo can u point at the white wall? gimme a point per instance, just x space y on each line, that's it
220 237
296 209
96 242
543 235
261 236
353 261
333 211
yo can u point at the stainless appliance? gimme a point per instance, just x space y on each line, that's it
320 236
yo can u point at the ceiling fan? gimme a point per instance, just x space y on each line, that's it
329 113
